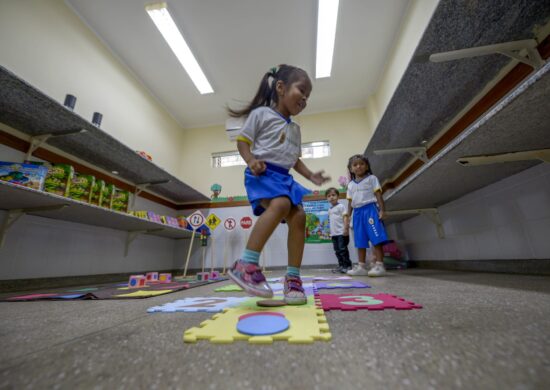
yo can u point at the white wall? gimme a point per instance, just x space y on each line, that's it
47 45
506 220
37 247
347 131
275 251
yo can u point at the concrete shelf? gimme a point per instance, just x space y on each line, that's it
32 112
18 200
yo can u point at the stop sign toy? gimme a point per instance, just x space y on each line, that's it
246 222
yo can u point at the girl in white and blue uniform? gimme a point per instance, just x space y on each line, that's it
270 144
365 201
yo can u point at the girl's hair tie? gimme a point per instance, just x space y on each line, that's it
274 70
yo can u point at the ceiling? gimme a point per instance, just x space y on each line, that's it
430 95
237 41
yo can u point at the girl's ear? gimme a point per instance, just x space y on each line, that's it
280 88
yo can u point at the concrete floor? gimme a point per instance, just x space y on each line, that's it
476 331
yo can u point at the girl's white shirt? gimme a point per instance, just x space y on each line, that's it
361 193
272 137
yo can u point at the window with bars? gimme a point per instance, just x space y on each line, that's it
316 149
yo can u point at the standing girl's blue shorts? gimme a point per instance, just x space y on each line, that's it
368 227
274 182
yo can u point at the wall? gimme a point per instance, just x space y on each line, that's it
348 131
506 220
46 44
228 246
37 247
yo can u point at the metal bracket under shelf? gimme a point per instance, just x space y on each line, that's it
131 236
141 187
38 140
416 151
13 215
432 214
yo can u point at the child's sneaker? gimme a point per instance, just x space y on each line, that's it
337 270
249 276
293 291
377 270
358 270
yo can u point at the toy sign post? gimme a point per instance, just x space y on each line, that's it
229 224
195 220
212 221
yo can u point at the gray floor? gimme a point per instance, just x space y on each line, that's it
476 331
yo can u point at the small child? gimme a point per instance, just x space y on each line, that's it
339 230
270 144
366 202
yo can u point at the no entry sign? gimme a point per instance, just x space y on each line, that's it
246 222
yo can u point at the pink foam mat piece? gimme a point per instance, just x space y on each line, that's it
347 302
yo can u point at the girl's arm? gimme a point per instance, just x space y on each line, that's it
316 178
381 205
255 165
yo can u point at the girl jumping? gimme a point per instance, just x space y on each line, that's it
270 144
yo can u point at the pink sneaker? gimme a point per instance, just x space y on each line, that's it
294 292
249 276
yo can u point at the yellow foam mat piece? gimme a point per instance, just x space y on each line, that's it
307 325
142 293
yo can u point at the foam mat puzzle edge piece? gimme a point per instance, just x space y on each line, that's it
307 325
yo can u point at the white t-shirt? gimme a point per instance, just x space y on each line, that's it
362 192
272 138
336 219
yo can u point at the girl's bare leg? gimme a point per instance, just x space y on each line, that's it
362 256
296 221
276 210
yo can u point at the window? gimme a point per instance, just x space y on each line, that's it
316 149
309 150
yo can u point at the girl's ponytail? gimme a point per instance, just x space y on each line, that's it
267 94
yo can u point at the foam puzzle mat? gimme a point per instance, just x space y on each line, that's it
347 302
110 291
196 304
307 324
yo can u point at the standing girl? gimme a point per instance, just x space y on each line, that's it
270 144
365 200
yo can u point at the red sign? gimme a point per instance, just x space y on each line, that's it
246 222
229 224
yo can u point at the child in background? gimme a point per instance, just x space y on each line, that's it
339 230
365 200
270 144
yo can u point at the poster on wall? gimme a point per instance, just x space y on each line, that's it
317 224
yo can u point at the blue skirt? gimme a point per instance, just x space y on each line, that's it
274 182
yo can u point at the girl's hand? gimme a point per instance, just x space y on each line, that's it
381 214
256 166
318 178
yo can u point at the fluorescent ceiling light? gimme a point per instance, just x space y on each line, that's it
164 22
326 32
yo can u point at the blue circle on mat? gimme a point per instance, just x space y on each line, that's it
262 325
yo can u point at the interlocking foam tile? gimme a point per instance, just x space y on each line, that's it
307 325
228 288
212 305
346 284
31 296
143 294
332 277
347 302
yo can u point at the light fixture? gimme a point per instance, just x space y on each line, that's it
326 33
165 24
